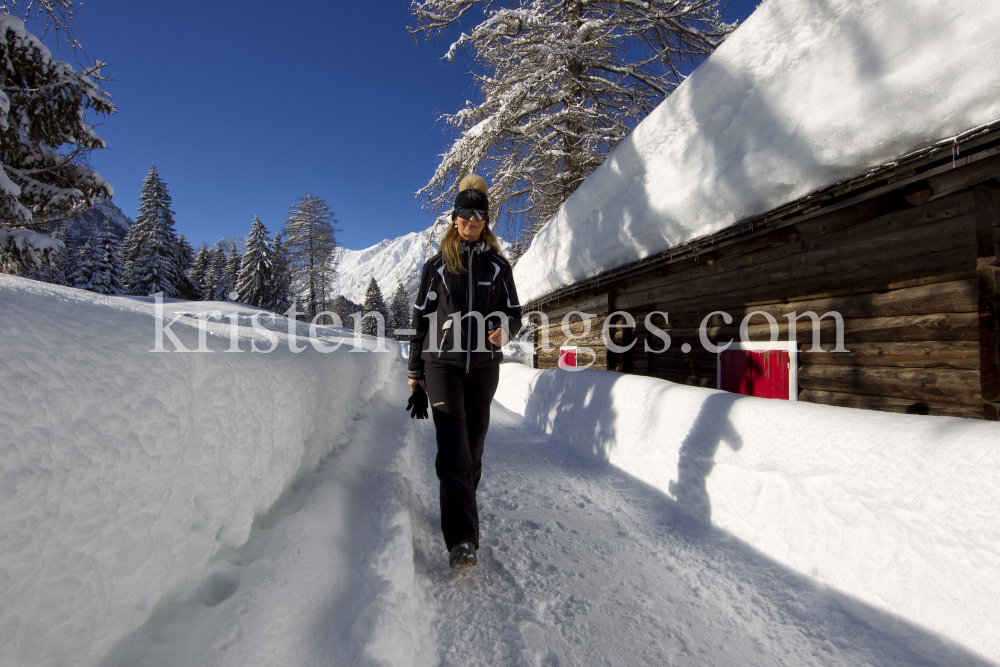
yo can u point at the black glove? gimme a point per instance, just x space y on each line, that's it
417 404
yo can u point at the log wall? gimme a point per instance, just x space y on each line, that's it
916 285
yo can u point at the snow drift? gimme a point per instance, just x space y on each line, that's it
804 94
898 511
122 472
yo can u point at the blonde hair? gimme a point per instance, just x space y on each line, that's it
450 243
453 254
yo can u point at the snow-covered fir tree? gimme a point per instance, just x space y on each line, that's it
199 268
45 136
128 251
516 250
281 279
61 264
399 313
310 239
86 264
562 83
374 303
98 268
187 287
217 285
344 308
107 274
185 253
151 253
233 266
256 279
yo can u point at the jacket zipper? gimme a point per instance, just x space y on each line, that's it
468 338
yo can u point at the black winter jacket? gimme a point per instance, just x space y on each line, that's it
444 327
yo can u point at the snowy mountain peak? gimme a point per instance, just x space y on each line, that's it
390 261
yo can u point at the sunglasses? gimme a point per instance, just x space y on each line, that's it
469 213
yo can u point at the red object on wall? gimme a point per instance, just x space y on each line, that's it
755 373
567 357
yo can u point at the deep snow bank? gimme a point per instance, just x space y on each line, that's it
123 471
805 93
898 511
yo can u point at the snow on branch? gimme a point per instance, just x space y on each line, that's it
44 135
562 82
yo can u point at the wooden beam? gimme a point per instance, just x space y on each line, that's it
832 231
589 303
708 382
940 326
917 193
950 234
950 297
950 265
988 251
965 177
945 386
917 354
887 404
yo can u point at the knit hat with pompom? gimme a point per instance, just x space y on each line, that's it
472 193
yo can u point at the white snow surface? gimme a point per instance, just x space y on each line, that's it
896 511
168 509
123 471
805 93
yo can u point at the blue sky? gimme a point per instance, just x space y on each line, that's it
245 106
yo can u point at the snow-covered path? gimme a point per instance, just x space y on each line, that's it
583 565
580 564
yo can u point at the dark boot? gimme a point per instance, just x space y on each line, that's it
462 555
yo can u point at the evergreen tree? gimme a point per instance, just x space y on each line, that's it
199 268
399 312
216 281
87 261
128 252
345 308
107 274
310 241
374 303
45 136
61 264
152 266
565 82
256 279
281 279
185 254
233 274
187 287
300 309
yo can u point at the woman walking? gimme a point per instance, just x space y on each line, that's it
465 309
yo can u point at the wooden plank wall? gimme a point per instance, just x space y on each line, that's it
916 285
987 269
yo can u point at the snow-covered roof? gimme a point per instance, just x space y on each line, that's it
804 94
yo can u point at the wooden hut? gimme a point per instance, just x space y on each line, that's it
907 253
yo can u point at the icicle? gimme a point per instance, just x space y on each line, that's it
956 150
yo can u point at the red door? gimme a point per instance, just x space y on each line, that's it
763 374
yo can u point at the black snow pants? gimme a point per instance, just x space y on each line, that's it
460 403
